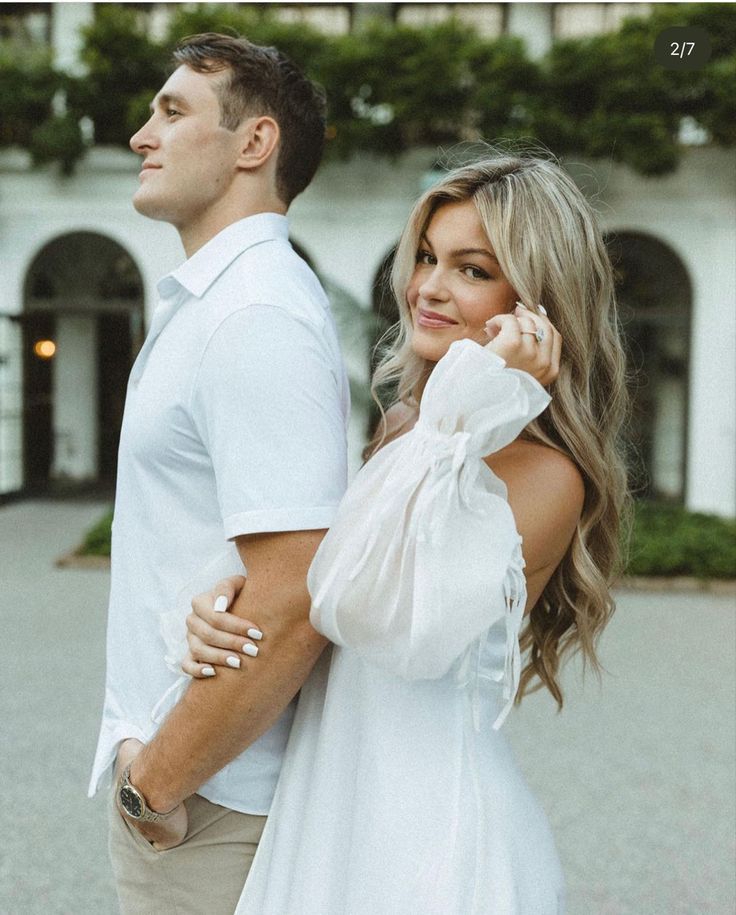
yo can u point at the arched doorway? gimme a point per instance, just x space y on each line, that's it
655 300
82 325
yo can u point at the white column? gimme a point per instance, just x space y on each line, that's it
11 406
711 476
74 392
67 20
533 23
667 440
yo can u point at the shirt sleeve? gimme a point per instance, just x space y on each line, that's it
267 402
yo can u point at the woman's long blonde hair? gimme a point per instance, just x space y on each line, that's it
549 246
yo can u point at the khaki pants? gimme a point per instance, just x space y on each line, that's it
206 873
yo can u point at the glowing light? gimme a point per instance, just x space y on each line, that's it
44 349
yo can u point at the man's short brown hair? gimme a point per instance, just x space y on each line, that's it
263 81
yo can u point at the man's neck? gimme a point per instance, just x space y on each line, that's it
195 236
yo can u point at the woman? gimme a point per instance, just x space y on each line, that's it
398 794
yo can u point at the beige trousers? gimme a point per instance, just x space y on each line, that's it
205 874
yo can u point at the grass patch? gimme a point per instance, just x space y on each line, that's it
97 539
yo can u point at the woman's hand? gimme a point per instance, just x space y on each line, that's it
217 638
527 341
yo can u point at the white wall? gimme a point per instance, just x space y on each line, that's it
694 212
353 214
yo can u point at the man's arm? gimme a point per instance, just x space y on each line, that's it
218 718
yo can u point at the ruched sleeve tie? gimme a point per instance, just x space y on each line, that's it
424 556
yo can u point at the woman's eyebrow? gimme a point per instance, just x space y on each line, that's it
464 252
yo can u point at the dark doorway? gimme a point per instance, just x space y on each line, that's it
114 360
85 293
38 437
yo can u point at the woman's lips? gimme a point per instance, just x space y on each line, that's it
432 319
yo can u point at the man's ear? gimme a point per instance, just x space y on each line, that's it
260 138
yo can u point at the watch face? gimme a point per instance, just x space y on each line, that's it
131 801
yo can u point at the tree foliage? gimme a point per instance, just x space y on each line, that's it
122 63
391 88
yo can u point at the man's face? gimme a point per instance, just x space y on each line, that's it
189 160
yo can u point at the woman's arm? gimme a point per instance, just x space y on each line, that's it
511 338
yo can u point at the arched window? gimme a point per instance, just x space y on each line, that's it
655 298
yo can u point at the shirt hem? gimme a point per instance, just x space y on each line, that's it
213 797
275 521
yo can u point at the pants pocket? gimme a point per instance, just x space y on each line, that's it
124 831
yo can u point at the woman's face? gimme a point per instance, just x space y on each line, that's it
457 284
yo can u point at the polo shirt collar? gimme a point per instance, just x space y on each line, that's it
200 271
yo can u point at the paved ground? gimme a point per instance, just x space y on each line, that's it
637 776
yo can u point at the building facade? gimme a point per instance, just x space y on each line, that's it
80 268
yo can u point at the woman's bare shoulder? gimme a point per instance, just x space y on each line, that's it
539 465
546 493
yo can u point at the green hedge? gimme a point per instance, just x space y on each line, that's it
666 540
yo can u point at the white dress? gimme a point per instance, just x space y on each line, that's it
398 794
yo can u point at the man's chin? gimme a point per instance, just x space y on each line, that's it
147 206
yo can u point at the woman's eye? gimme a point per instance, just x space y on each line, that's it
475 273
424 257
170 112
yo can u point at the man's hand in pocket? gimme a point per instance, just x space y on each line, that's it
163 834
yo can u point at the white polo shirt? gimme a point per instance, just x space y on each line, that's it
235 423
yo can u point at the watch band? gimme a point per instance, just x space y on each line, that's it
134 804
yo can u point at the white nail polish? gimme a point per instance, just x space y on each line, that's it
208 671
255 634
249 649
232 661
542 309
521 304
220 605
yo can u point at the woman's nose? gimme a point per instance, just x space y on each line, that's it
432 285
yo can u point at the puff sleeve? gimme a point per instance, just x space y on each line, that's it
424 556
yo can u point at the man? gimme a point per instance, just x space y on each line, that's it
234 429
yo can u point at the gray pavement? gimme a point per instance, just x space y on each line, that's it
637 775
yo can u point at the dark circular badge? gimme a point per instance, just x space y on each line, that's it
682 47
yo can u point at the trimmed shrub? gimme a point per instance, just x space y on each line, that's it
667 540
